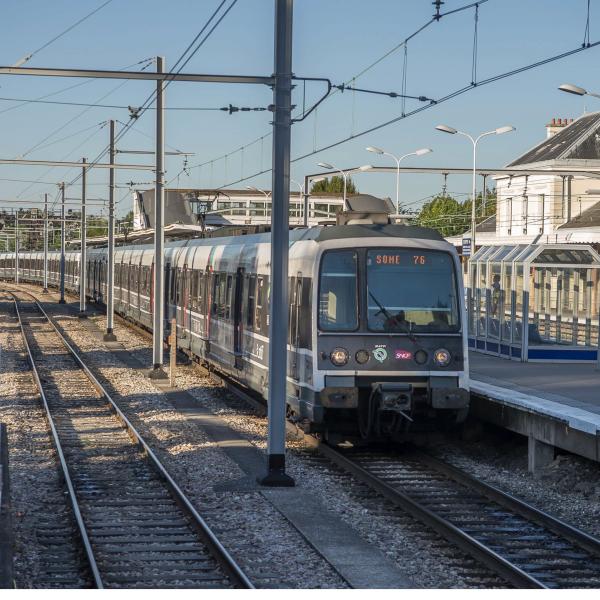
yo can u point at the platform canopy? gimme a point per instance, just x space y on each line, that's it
534 302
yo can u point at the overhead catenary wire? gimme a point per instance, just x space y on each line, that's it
73 86
229 109
29 56
445 98
178 66
345 84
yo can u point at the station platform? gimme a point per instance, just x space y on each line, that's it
555 405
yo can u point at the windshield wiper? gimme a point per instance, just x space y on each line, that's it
407 325
381 307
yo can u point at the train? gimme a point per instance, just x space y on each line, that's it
377 331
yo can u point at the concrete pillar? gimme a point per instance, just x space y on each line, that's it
539 454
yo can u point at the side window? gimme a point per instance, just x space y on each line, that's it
178 293
228 298
215 294
172 292
338 298
200 292
251 306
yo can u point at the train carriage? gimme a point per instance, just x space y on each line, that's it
376 324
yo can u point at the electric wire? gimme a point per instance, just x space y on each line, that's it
152 97
447 97
346 83
29 56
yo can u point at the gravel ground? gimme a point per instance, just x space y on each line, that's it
568 488
200 465
256 534
45 535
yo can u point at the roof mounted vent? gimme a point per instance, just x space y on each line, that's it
364 209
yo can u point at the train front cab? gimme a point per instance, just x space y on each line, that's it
390 351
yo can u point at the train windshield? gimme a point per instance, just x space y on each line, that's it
411 291
338 291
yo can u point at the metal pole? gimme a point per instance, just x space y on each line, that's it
17 247
397 187
109 336
484 196
306 198
473 213
83 258
45 290
173 352
62 244
345 188
282 95
157 371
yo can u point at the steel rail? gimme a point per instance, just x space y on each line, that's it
63 463
453 534
574 535
208 537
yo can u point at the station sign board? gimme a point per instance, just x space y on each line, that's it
466 247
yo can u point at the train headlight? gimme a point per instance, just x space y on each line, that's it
442 357
339 357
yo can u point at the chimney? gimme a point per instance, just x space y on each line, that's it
556 125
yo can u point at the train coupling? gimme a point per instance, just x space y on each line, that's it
393 397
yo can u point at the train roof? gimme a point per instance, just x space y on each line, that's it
340 232
331 232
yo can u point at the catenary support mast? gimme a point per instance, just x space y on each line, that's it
279 307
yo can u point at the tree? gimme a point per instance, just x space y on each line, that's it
335 185
451 217
444 214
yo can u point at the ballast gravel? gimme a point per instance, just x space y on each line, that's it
269 549
45 547
568 488
420 555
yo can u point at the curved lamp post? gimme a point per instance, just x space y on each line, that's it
474 141
398 161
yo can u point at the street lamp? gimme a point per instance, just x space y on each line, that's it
474 141
329 166
398 160
575 89
255 189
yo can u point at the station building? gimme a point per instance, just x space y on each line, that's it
216 208
534 282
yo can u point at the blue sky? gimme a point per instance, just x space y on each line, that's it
332 39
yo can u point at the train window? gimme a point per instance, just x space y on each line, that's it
251 283
179 287
201 292
219 295
261 296
338 297
172 293
193 290
229 286
428 305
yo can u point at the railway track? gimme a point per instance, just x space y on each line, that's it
523 545
135 525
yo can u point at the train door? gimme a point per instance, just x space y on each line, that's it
205 309
167 285
238 322
183 319
294 325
